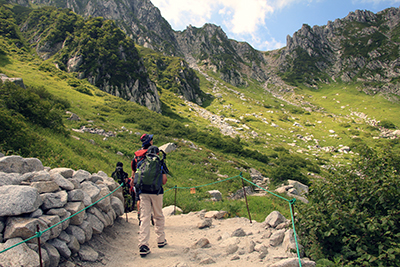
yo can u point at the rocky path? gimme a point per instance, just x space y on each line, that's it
227 242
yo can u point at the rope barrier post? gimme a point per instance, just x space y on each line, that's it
245 197
291 206
40 249
176 191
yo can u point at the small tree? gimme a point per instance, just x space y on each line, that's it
353 217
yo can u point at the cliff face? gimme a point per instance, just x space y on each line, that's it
361 47
95 49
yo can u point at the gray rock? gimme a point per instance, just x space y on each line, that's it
65 172
206 261
86 253
65 220
170 210
117 205
95 178
64 237
17 164
231 249
87 228
277 238
104 204
205 224
81 175
215 194
201 243
16 200
62 182
36 214
25 228
274 218
239 233
75 208
18 256
87 200
54 200
39 176
45 186
10 178
294 262
289 243
77 232
98 214
54 255
167 148
61 247
76 195
301 188
75 182
92 190
96 224
74 245
52 220
249 246
61 212
111 213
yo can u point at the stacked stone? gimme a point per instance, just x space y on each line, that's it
33 196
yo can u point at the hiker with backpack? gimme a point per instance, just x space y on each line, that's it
147 141
120 176
150 174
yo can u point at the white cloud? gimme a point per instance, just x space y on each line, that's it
240 16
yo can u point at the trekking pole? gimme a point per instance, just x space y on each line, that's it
245 197
40 249
176 189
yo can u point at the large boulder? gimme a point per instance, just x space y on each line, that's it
25 228
18 164
274 219
54 200
16 200
18 256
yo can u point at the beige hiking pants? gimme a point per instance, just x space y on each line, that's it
148 203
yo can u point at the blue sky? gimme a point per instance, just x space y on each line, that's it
264 24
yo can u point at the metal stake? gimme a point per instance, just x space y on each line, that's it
245 197
40 249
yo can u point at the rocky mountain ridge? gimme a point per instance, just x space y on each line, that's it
361 47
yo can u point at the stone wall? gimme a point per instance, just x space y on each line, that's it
33 196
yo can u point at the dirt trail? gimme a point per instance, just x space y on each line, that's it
117 245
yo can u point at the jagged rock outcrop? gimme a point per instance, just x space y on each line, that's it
33 196
362 47
17 81
211 49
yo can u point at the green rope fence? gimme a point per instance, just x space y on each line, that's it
39 233
291 203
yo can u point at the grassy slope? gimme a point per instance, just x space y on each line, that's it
197 166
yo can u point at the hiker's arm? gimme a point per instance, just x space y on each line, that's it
164 178
133 167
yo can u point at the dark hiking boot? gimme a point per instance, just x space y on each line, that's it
162 244
138 217
144 250
152 220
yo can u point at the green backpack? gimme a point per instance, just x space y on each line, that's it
149 174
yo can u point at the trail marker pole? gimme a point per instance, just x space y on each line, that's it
245 197
40 249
